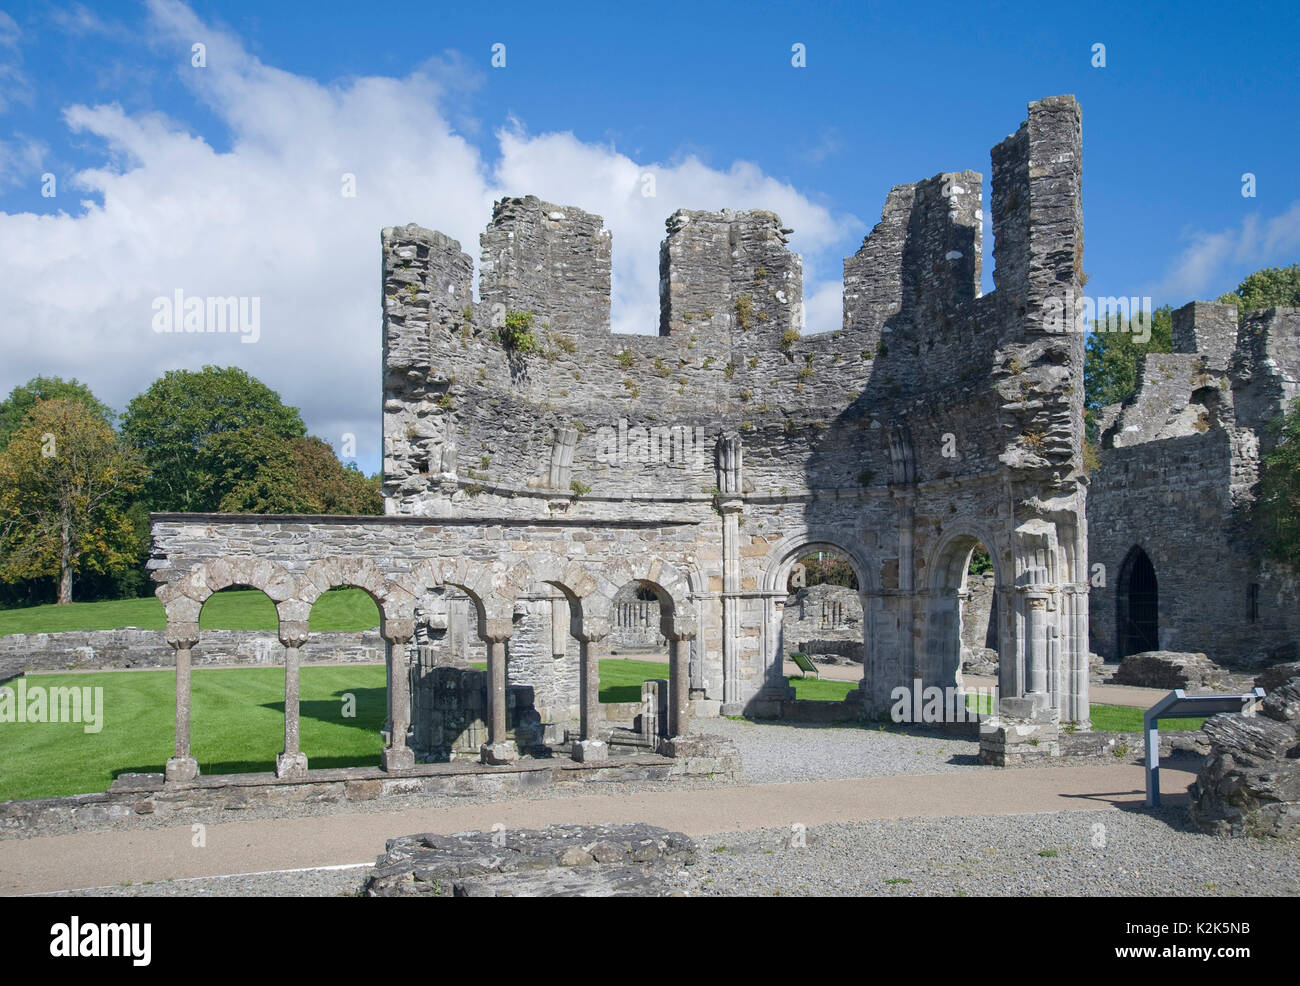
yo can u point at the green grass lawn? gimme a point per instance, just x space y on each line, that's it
620 678
232 609
237 725
1124 719
238 722
815 690
1105 718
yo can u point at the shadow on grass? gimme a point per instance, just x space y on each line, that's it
371 709
618 694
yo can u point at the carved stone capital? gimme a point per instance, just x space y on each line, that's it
397 632
294 633
183 636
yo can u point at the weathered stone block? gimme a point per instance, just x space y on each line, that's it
496 754
587 751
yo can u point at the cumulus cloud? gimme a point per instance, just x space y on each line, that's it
1215 262
266 218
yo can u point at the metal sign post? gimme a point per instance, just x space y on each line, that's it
1178 705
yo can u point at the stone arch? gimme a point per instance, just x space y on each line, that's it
939 656
333 573
567 575
489 605
183 598
785 552
773 582
330 573
591 586
1137 604
678 618
947 563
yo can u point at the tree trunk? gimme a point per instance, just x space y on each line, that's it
65 567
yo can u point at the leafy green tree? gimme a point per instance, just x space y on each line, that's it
1110 364
1267 288
253 471
175 421
65 487
336 488
1276 511
25 396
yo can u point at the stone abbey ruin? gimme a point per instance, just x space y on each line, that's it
553 490
1167 509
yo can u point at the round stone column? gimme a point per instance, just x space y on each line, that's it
181 766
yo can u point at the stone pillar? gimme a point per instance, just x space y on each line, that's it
912 611
729 463
181 766
397 755
775 686
591 746
732 701
592 652
292 762
1011 679
1080 710
1036 648
498 749
679 698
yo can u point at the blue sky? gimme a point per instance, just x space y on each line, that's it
224 180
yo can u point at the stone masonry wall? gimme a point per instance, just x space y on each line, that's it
87 650
1179 466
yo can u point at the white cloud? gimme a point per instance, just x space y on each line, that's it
266 219
1215 262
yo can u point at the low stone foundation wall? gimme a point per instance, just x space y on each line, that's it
110 650
558 861
134 795
847 650
1129 746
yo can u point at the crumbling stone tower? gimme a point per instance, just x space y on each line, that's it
539 464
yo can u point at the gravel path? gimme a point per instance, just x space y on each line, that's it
777 754
342 882
1090 854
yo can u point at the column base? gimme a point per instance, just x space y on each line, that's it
291 765
496 754
181 769
397 758
587 751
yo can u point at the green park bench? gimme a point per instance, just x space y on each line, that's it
804 663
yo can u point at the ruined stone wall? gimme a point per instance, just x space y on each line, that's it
706 459
1179 467
450 709
823 619
86 650
978 619
544 656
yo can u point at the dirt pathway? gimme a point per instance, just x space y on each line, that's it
96 859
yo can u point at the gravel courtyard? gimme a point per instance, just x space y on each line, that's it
1105 852
1090 853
